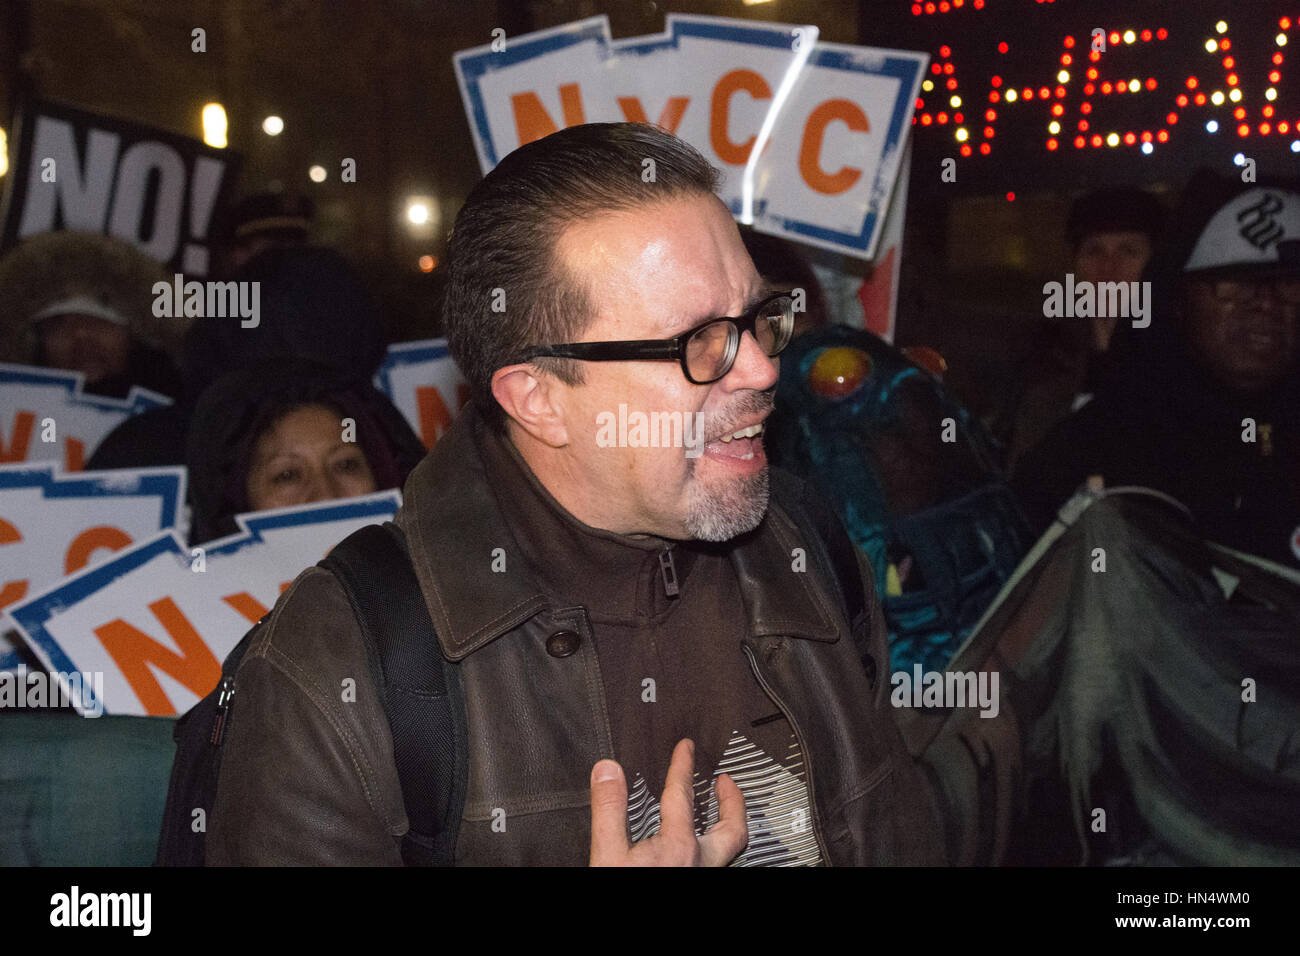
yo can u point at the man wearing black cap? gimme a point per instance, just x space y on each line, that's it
1111 234
1204 403
265 220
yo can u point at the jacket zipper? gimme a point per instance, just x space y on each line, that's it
803 749
224 698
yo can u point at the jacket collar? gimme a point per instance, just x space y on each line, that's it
454 527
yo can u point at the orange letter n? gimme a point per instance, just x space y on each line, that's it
134 651
533 122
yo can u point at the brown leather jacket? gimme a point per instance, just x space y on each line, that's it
308 774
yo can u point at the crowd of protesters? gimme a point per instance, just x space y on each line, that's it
1201 405
1199 400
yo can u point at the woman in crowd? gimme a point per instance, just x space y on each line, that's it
288 432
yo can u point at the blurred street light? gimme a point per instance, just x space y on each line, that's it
214 125
421 216
273 126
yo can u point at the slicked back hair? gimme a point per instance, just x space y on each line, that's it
502 251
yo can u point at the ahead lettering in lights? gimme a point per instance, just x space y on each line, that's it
1146 64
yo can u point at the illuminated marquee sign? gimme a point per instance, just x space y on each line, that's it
1013 77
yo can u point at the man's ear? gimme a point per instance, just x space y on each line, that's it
533 400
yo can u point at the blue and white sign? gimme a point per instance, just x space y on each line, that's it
46 416
159 617
423 382
54 524
810 134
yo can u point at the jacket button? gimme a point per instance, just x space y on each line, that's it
562 643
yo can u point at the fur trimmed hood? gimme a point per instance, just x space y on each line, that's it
58 266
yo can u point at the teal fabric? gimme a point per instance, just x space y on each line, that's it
961 533
80 791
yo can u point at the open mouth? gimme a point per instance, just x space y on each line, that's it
742 444
1262 340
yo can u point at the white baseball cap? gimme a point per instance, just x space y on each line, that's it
1257 230
81 305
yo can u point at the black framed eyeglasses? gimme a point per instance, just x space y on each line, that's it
706 352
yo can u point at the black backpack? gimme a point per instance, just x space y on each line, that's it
420 690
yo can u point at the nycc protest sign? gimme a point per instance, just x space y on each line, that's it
810 134
46 416
424 383
158 618
78 170
52 524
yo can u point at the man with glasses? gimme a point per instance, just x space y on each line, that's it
655 662
1205 402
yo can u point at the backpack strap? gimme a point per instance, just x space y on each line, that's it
198 734
420 688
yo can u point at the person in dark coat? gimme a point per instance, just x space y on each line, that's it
1204 403
312 305
288 432
1112 234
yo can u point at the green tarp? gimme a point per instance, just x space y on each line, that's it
1145 674
78 791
